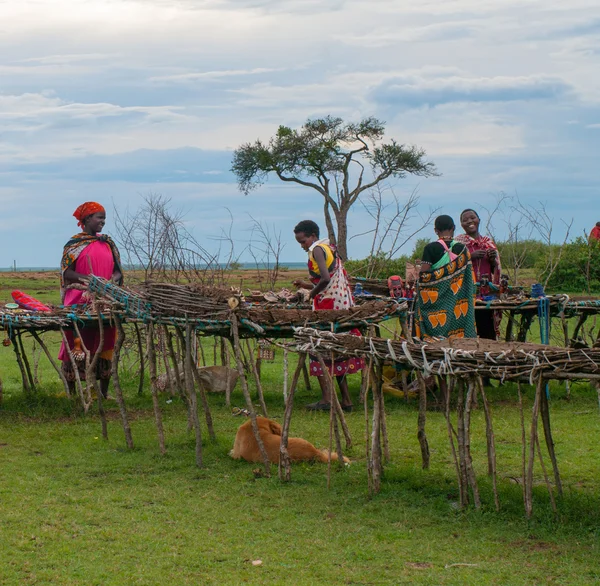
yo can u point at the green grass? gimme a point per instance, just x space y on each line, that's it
75 509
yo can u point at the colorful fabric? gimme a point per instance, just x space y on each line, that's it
445 301
337 295
447 257
482 266
73 249
330 258
595 233
87 209
487 321
97 256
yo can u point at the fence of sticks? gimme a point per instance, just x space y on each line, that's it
169 320
460 366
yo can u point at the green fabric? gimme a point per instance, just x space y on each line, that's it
445 259
445 300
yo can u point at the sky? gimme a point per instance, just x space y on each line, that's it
111 100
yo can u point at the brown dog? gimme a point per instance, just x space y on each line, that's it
245 445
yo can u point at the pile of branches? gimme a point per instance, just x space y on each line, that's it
461 357
190 300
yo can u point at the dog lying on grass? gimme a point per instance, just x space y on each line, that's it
245 445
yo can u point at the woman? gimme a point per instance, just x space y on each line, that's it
486 264
329 289
444 306
88 253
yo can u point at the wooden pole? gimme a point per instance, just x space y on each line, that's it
259 389
140 347
422 418
469 460
43 346
491 443
285 470
545 413
191 393
235 343
153 390
117 383
533 438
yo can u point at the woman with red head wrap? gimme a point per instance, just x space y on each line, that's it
88 253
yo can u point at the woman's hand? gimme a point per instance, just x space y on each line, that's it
478 254
492 254
117 278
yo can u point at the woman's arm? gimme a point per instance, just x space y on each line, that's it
71 276
319 256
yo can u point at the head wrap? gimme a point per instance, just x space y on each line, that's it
87 209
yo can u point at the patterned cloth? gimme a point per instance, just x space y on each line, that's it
487 320
445 301
76 245
337 295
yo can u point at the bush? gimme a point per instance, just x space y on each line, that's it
377 267
578 270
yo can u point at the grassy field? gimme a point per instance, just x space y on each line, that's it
75 509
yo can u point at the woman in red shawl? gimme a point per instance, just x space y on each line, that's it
88 253
486 264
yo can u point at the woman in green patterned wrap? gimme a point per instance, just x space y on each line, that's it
444 304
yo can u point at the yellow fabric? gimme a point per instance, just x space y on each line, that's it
329 259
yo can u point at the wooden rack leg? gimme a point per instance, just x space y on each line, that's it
451 433
140 347
85 403
190 391
26 362
235 343
43 346
491 442
523 447
205 405
460 428
421 435
154 391
539 390
117 383
17 351
306 374
285 470
545 413
259 389
367 385
469 460
376 465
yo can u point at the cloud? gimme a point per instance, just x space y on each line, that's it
418 91
202 75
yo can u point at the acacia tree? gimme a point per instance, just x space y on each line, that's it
338 159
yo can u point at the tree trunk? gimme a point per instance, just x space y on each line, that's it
341 219
329 223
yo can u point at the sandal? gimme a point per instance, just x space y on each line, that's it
318 406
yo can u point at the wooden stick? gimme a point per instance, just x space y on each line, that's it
306 374
85 404
421 435
469 460
24 379
545 413
491 443
546 479
154 391
376 466
460 429
366 381
285 374
235 343
140 347
523 448
191 393
285 470
447 394
117 383
534 422
259 389
384 434
205 405
26 362
43 346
